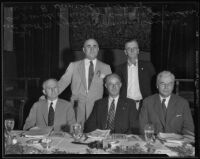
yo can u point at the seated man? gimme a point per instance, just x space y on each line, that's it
52 111
116 113
169 113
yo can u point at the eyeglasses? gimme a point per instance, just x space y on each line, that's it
166 84
129 49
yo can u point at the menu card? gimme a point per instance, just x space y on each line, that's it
37 132
99 134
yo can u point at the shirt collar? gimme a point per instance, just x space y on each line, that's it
167 98
87 61
111 99
54 103
131 64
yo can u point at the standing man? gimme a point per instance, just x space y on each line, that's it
136 74
51 111
86 78
169 113
114 112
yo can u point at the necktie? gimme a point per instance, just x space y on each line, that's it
111 116
90 74
164 108
51 115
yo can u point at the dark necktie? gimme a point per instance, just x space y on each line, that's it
51 115
164 108
111 116
90 74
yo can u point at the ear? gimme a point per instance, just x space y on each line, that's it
44 92
125 52
83 49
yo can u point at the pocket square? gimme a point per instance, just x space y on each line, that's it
178 115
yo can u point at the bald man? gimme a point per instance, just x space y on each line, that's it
86 79
63 110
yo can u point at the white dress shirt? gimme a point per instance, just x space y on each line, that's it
54 104
133 89
87 65
110 99
166 101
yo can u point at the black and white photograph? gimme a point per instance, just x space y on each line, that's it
111 78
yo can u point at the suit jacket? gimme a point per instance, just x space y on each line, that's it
146 72
126 116
75 74
178 120
38 116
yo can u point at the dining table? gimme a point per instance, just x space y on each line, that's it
64 143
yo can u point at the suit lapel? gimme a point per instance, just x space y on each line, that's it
125 74
45 112
81 70
159 111
119 111
140 69
171 109
104 113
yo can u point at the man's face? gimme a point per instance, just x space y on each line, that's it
91 49
51 90
132 50
113 86
165 85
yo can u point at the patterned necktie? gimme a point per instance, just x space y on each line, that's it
90 74
164 108
51 115
111 116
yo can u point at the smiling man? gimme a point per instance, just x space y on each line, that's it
114 112
86 79
51 111
169 113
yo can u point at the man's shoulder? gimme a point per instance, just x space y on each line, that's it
122 65
179 98
125 99
103 64
64 102
151 97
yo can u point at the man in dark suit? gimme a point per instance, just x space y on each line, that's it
124 117
169 113
136 74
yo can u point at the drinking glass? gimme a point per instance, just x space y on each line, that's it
77 131
9 125
149 133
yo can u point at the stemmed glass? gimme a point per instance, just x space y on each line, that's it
9 125
149 133
77 131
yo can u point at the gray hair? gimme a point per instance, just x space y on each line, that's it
165 73
50 79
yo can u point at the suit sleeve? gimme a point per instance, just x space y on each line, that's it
65 80
91 122
70 115
31 119
188 126
143 117
107 70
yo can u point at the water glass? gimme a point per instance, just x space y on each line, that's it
77 131
9 125
149 133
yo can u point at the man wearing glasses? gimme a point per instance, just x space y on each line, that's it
136 75
169 113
